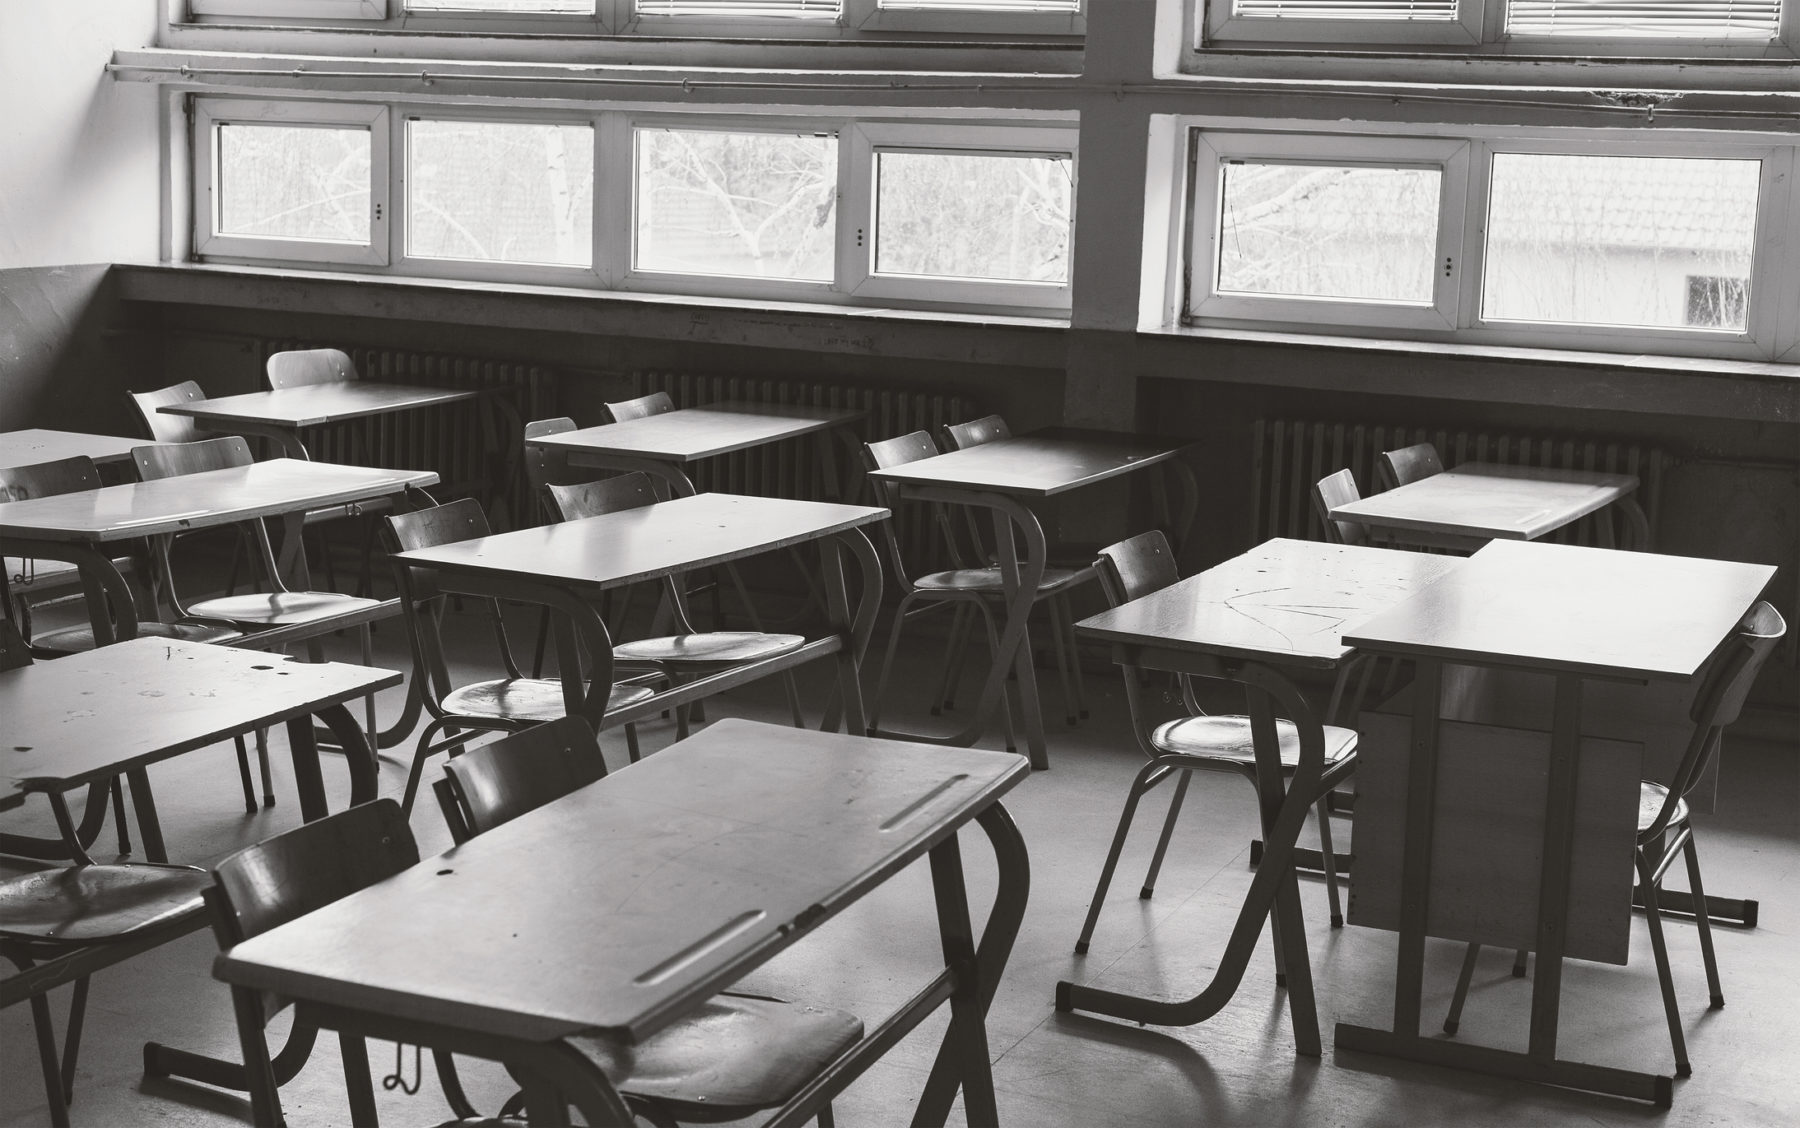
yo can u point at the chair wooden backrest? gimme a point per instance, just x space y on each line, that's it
169 428
1724 684
544 465
300 367
987 429
14 653
1408 464
306 868
1135 567
1333 490
656 403
47 479
172 460
608 495
898 451
500 781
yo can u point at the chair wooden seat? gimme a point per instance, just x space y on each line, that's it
98 904
526 699
989 579
734 1055
709 647
1227 738
1651 797
280 608
77 640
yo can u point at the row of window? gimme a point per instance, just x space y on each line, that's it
1608 241
1545 26
867 211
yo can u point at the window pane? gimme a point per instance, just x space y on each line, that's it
1326 231
294 182
750 204
1667 19
494 192
1343 9
1657 241
963 215
742 9
1058 6
578 7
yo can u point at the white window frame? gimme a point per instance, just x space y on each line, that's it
291 9
856 209
723 285
868 15
1211 151
1772 325
1480 28
544 273
210 113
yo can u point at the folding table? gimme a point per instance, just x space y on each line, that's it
1005 477
616 909
1574 614
566 566
1280 606
1477 502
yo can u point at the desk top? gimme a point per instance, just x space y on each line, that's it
649 542
193 501
1042 464
694 433
1558 607
1285 601
621 906
313 404
30 447
95 714
1487 500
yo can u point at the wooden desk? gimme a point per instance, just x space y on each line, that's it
74 527
30 447
665 445
1573 613
1281 605
1478 502
1006 477
565 565
615 910
280 415
88 717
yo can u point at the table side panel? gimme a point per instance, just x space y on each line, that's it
619 906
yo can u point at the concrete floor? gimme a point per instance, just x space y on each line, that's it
1238 1068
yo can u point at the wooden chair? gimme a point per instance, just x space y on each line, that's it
1130 570
1408 464
299 368
169 428
506 704
689 653
656 403
739 1054
61 925
1663 827
987 429
1334 490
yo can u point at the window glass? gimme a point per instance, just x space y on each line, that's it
293 182
1669 19
1343 9
529 7
1328 231
980 5
500 192
742 9
966 215
1601 240
747 204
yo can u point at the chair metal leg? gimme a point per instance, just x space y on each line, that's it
46 1040
1162 841
72 1038
118 799
1062 644
1454 1018
1704 920
243 762
1060 606
417 770
1148 776
360 1086
957 655
942 692
887 664
543 637
1519 958
262 759
1329 860
631 742
1665 978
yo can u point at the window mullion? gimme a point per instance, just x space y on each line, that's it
614 174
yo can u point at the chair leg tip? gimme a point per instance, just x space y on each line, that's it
1718 1002
1337 920
1683 1069
1081 947
268 800
1280 980
1146 892
1450 1027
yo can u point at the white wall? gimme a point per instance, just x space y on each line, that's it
78 152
